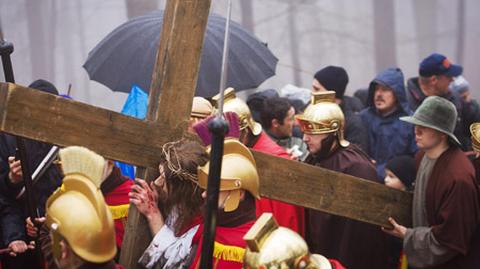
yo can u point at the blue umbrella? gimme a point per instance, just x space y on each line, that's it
126 56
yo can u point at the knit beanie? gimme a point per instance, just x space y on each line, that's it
44 86
333 78
404 168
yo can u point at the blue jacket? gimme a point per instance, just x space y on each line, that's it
388 136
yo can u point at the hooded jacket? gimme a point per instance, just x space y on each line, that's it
387 135
468 113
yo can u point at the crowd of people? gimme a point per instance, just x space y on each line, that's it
421 136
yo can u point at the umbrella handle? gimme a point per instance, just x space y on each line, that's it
218 127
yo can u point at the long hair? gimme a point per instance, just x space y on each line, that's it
180 161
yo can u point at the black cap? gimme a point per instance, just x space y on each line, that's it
44 86
333 78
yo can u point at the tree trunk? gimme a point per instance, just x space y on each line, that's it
425 12
292 30
384 34
461 31
247 15
140 7
36 33
51 43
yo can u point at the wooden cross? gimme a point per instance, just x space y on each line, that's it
56 120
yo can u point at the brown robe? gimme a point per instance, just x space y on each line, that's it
107 265
353 243
453 208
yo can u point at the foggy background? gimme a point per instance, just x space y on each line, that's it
52 38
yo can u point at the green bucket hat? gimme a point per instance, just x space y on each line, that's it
436 113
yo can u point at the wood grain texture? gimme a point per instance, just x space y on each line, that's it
64 122
331 192
174 80
44 117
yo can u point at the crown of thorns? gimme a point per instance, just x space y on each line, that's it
172 161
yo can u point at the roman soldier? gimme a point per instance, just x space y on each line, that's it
475 131
81 225
239 185
252 136
201 109
355 244
272 246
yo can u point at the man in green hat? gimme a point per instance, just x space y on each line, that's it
446 205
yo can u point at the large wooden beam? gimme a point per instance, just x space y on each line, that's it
331 192
64 122
174 81
53 119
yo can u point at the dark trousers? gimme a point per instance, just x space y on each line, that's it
22 261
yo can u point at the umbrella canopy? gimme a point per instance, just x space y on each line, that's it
126 56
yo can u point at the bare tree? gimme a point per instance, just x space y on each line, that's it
36 33
294 48
425 12
85 86
140 7
461 31
384 34
51 43
247 15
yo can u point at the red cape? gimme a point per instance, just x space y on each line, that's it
118 203
229 246
287 215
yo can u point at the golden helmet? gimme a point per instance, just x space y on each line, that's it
239 172
475 131
78 214
201 108
324 116
271 246
234 104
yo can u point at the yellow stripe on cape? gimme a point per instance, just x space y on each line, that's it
119 211
228 253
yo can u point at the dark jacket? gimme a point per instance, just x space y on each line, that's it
355 130
352 103
468 113
388 136
13 222
453 208
355 244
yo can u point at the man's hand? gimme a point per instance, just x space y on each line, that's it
397 231
15 173
19 246
32 230
145 198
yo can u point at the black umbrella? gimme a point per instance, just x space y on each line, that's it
127 55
